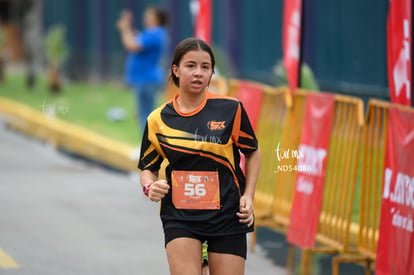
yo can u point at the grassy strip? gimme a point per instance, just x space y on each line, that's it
85 104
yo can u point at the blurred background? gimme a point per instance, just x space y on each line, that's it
344 42
64 59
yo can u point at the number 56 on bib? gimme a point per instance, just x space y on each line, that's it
195 190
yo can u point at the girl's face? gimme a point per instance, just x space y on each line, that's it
194 71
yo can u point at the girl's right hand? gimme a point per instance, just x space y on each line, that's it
158 190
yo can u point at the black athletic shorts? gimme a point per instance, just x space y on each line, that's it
232 244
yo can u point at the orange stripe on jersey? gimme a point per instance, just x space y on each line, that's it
245 135
207 96
237 133
208 156
246 146
214 96
198 109
152 162
236 125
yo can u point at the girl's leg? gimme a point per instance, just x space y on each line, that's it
227 255
184 256
205 270
225 264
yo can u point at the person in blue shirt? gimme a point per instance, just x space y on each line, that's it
146 50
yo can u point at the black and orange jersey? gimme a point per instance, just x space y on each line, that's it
207 139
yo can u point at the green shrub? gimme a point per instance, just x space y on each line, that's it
307 79
56 47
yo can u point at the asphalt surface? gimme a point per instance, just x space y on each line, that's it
62 215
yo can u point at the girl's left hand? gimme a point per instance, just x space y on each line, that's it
246 212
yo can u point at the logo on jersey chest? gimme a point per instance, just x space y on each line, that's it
216 125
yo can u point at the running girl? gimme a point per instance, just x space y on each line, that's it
206 196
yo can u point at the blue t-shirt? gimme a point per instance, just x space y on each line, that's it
144 66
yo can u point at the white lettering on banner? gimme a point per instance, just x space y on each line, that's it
293 35
403 192
403 222
304 186
387 183
400 71
313 158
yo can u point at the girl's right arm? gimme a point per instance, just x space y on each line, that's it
156 189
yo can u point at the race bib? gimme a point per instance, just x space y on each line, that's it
195 190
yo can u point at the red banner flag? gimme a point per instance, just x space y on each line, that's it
292 17
203 22
311 167
399 32
396 230
251 95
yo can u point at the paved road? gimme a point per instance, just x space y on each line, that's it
60 215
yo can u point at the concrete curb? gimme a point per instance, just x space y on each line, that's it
68 136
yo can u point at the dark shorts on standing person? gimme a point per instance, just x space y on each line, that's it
229 244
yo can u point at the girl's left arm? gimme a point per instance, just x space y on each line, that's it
246 212
252 169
